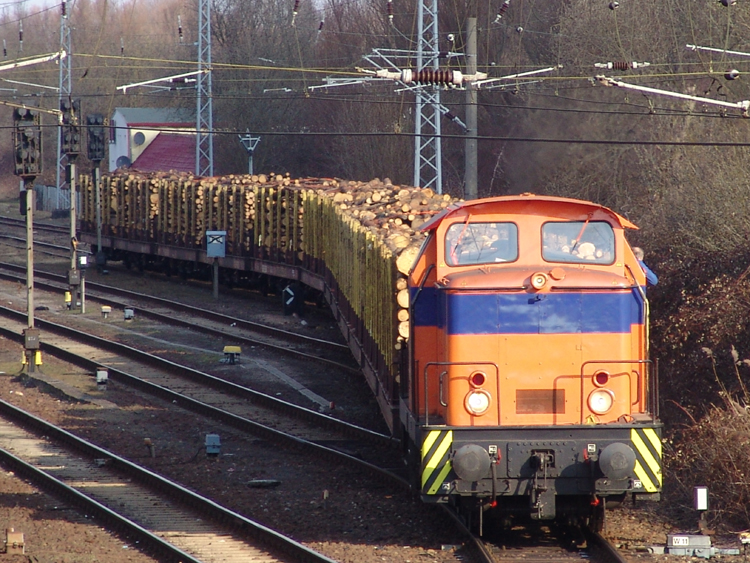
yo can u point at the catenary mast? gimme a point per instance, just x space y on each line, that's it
428 168
204 142
65 90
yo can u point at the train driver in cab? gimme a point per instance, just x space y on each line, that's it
481 243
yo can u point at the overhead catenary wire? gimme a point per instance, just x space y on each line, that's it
174 64
292 69
479 138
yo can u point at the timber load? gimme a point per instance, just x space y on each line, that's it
356 241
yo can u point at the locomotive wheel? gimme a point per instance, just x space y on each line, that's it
596 518
412 461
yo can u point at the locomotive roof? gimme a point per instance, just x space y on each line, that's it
484 206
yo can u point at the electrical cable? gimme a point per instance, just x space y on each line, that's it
479 138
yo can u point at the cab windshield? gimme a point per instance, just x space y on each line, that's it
578 241
481 243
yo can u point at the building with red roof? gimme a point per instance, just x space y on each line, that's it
152 139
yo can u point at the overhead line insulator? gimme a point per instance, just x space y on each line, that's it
430 76
295 11
435 76
502 10
621 65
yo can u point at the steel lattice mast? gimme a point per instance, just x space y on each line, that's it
204 142
65 86
428 167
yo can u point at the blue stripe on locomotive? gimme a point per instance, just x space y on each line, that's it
543 313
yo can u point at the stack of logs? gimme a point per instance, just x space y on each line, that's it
391 212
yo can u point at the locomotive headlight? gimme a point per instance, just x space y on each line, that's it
477 402
539 280
601 400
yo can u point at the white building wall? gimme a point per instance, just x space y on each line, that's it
121 145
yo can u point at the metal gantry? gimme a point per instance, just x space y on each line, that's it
64 93
428 156
204 143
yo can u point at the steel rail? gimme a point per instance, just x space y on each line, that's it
236 421
609 552
21 224
475 545
52 247
247 527
196 312
115 521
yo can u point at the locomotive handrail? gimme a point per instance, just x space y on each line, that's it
588 362
412 302
440 388
427 383
646 312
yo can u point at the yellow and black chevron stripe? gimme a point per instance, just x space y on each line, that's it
648 462
436 463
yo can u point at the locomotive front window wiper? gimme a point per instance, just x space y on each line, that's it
580 234
459 239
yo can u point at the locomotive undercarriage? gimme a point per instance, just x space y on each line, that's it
541 473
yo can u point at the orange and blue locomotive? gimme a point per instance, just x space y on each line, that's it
530 388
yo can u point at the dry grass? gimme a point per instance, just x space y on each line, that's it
714 451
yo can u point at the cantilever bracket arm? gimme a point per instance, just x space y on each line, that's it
60 55
172 79
743 106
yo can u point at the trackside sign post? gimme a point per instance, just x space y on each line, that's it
216 244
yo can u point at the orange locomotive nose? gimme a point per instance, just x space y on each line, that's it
529 345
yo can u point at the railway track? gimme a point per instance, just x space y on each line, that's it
232 404
46 247
243 332
547 544
171 521
39 226
174 313
345 443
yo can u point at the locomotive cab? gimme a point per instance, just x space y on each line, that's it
530 387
